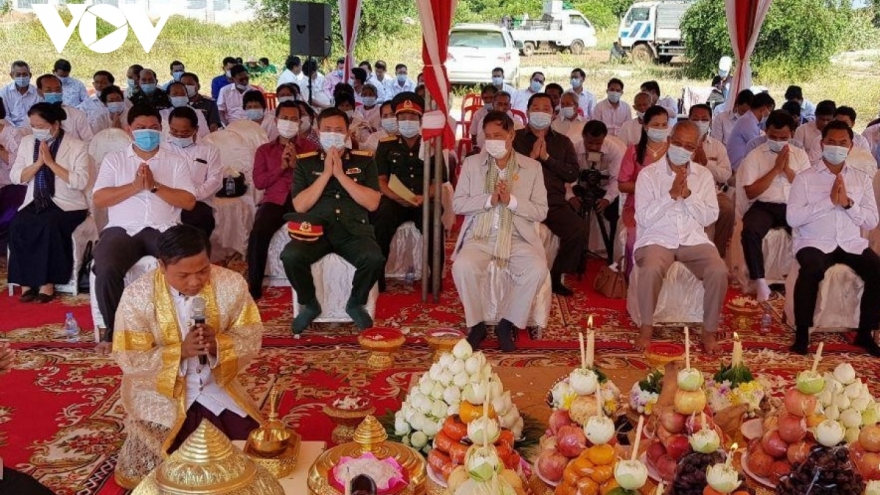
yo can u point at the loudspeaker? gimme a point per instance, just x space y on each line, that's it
310 29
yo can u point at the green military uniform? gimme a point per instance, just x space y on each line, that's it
394 157
158 99
346 226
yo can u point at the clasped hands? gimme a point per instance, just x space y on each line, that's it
200 341
288 156
539 150
500 194
143 179
333 162
838 192
679 189
45 157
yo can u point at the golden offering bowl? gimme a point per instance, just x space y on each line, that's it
282 464
270 440
382 343
442 340
346 421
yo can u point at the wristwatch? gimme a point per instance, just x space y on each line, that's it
848 205
155 188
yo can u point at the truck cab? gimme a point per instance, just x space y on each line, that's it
559 28
651 31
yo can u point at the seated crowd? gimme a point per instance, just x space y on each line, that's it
342 166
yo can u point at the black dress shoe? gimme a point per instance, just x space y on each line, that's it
28 297
801 343
363 485
477 335
44 298
561 290
866 340
504 330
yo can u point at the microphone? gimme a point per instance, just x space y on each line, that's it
198 316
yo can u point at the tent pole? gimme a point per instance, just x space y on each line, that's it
426 214
439 252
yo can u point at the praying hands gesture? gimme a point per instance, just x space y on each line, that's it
838 192
140 179
679 189
200 341
501 194
46 156
288 156
783 163
700 155
539 149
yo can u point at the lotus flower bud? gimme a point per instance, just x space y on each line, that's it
474 363
690 379
462 350
845 373
475 393
418 440
461 379
851 418
599 430
723 477
446 360
432 428
630 475
810 382
426 385
583 381
438 410
401 427
456 367
452 395
829 433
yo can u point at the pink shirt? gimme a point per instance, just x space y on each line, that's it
629 171
268 174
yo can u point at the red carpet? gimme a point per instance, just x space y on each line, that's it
60 417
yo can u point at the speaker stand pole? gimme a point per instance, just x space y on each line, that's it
314 69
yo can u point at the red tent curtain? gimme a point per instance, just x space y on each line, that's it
350 18
744 20
436 19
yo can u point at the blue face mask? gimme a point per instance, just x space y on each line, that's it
53 97
115 106
147 139
177 75
254 113
369 101
181 142
22 81
148 88
63 79
401 78
179 101
536 86
339 72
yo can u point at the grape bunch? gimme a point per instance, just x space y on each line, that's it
690 476
827 471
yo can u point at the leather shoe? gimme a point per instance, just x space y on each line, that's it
561 290
28 297
359 315
801 344
44 298
866 340
477 335
504 331
305 317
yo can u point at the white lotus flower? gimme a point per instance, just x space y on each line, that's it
438 410
854 389
509 418
434 373
630 475
426 385
452 395
832 412
452 410
460 380
583 381
851 418
418 439
722 477
431 428
825 396
474 363
851 435
829 433
445 377
559 392
426 406
457 366
842 402
495 388
599 429
517 428
437 391
417 421
462 349
475 393
860 404
483 463
483 430
446 360
870 415
401 427
845 373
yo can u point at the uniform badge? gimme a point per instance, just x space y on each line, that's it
316 172
516 177
353 171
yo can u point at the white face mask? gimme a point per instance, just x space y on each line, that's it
568 112
835 155
657 135
409 128
678 155
305 125
540 120
776 146
190 91
287 128
703 125
390 125
330 140
181 142
614 96
496 148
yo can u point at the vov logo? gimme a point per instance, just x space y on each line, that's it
87 18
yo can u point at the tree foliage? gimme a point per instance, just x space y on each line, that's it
796 41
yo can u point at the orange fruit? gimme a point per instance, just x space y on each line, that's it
586 486
608 486
602 473
601 454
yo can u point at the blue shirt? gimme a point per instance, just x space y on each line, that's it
744 131
217 84
17 104
74 92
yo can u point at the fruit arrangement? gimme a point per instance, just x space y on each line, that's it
844 398
455 385
825 471
484 473
644 393
452 442
712 473
734 384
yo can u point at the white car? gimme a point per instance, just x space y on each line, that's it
476 49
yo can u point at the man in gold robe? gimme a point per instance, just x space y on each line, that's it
177 372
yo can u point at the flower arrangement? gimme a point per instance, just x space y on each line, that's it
644 393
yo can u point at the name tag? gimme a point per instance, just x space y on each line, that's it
316 172
353 171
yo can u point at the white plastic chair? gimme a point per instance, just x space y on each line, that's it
105 142
837 306
406 252
680 299
237 154
333 276
275 276
252 132
142 267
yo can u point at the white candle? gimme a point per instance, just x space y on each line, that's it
635 451
687 348
737 351
730 455
583 352
591 347
818 356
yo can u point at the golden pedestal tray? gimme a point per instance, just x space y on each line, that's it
273 445
443 340
382 343
370 436
346 421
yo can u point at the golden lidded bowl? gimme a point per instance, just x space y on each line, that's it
273 445
371 437
442 340
382 343
347 413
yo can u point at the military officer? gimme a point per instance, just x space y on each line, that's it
333 192
399 156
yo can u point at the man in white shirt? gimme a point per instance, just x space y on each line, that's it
569 122
829 205
766 175
631 130
667 102
501 103
316 98
847 115
811 133
385 84
488 96
230 101
722 124
612 111
402 83
292 72
808 110
675 202
498 81
74 90
95 110
76 125
19 95
204 166
713 155
586 100
144 188
186 332
520 100
177 70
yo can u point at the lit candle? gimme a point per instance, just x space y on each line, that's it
737 351
591 347
687 348
732 451
660 488
583 352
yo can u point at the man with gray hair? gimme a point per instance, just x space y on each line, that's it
675 202
149 92
19 95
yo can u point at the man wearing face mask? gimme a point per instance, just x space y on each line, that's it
73 90
133 79
767 174
230 103
713 155
205 166
586 100
205 106
177 95
95 110
77 123
722 124
675 202
748 127
502 196
177 72
224 79
487 94
403 84
273 174
554 91
612 111
631 130
667 102
520 99
399 157
369 111
19 95
559 164
829 205
292 72
333 192
335 77
388 127
498 81
144 188
811 133
569 122
501 103
147 92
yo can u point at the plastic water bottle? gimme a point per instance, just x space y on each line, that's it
71 328
766 320
410 275
230 186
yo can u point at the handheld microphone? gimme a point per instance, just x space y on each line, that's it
198 316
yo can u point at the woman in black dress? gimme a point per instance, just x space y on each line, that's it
55 168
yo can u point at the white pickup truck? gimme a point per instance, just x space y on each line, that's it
558 29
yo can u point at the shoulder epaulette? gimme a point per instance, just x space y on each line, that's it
388 139
306 155
362 153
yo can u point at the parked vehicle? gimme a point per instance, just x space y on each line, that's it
651 31
476 49
558 29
